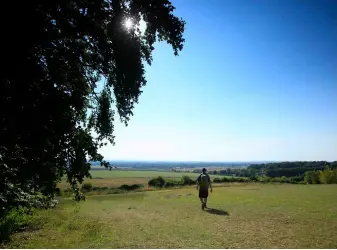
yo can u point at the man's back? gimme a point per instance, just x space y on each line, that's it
204 180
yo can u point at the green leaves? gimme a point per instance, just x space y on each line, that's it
54 119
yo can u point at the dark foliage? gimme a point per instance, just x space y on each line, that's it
54 116
289 169
86 187
225 179
130 187
157 182
296 179
186 180
312 177
172 183
254 179
16 220
217 180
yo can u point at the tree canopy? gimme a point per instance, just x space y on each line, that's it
54 116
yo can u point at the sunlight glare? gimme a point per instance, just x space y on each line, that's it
128 23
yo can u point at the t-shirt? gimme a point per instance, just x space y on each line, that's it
204 180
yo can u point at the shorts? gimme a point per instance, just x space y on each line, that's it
203 193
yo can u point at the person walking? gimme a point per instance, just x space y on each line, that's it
203 184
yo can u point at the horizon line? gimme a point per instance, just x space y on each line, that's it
231 161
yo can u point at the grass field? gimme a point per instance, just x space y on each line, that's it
242 216
138 174
117 178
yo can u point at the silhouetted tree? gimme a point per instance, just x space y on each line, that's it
54 116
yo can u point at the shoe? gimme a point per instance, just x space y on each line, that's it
202 206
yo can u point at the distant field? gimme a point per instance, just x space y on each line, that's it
115 178
241 216
139 174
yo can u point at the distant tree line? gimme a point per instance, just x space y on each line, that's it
289 169
237 172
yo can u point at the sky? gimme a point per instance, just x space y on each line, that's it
256 81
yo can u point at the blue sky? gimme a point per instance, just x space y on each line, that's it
257 80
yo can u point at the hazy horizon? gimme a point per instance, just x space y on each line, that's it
255 80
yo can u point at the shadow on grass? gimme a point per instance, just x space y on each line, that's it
216 211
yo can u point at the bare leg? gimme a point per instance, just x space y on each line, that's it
205 202
202 203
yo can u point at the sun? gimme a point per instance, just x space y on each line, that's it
128 23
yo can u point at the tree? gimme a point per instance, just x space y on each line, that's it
312 177
54 116
251 173
328 176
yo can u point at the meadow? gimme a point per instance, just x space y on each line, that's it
240 216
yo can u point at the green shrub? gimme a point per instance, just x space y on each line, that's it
296 179
225 180
241 180
67 192
328 176
265 179
86 187
14 221
253 178
283 179
125 187
57 191
137 186
130 187
186 180
275 180
157 182
172 183
95 188
115 191
312 177
217 180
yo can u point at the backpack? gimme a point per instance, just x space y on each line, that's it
204 180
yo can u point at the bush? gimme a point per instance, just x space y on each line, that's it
157 182
265 179
172 183
253 178
275 180
312 177
67 192
96 188
217 180
86 187
283 179
225 179
57 191
241 180
15 220
296 179
130 187
328 176
232 179
115 191
137 186
186 180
